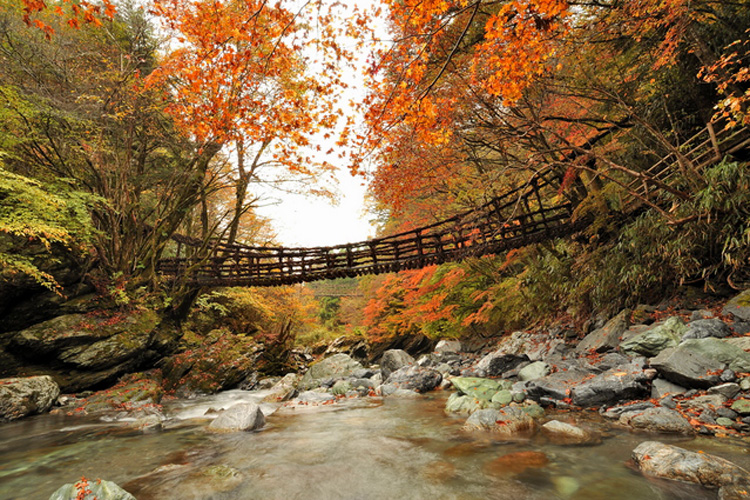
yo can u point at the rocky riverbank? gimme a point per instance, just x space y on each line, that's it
683 372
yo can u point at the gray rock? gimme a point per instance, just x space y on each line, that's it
728 390
533 371
607 337
655 340
739 306
701 314
658 420
20 397
735 358
341 387
314 397
100 490
336 366
725 412
394 359
619 383
502 398
745 384
392 390
670 462
415 378
704 328
446 346
687 367
618 411
709 401
556 386
283 390
509 421
565 433
661 388
241 417
463 404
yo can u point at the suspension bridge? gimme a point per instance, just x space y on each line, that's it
517 218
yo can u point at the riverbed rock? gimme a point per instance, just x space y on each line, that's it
20 397
653 341
608 336
741 406
479 388
739 306
556 386
99 490
508 422
658 419
704 328
568 434
670 462
283 390
448 346
623 382
136 392
728 390
394 359
533 371
312 397
336 366
688 368
415 378
241 417
733 356
661 388
463 404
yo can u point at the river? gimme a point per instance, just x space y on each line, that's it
367 448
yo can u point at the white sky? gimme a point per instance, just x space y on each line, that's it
312 221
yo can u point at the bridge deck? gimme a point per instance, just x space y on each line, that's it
512 220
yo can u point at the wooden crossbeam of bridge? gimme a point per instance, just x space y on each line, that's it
514 219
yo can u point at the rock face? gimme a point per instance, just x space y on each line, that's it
81 350
20 397
509 421
336 366
670 462
653 341
415 378
607 337
100 490
242 417
394 359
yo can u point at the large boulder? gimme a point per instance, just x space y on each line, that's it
622 382
687 368
607 337
517 348
670 462
653 341
448 346
724 352
415 378
556 386
97 490
283 390
509 422
739 306
133 392
394 359
704 328
241 417
20 397
336 366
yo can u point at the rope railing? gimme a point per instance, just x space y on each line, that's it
512 220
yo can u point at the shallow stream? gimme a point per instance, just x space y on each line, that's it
355 449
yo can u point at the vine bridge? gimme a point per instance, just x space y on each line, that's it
512 220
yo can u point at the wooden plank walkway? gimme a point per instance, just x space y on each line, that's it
513 220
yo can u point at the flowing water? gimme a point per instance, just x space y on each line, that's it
356 449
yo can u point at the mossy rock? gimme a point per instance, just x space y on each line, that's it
480 388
